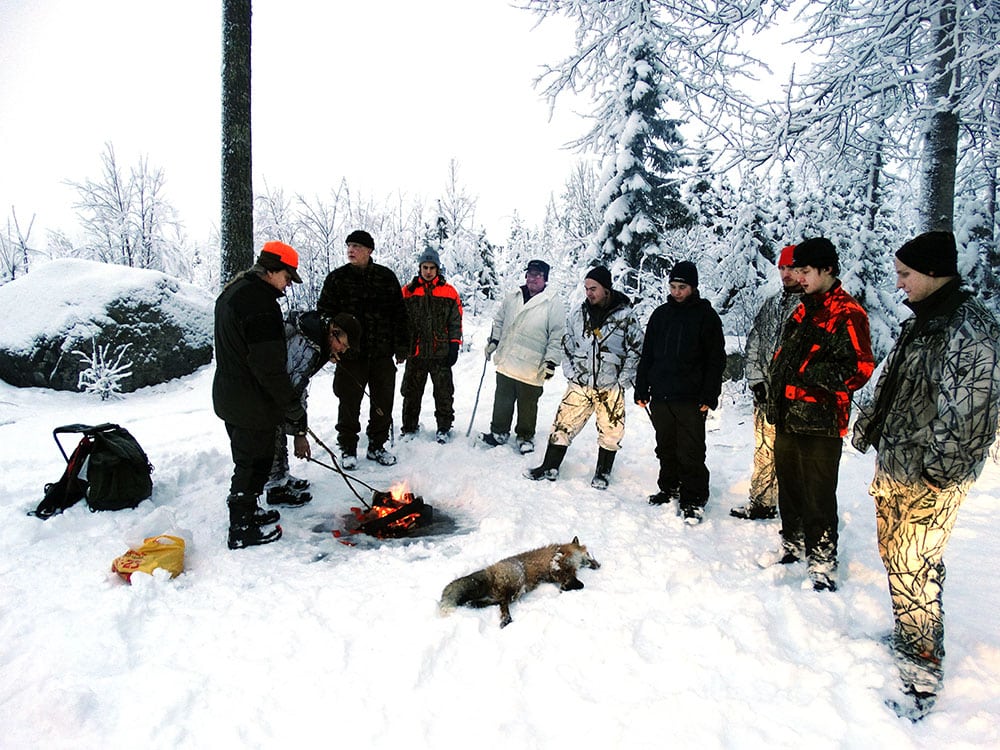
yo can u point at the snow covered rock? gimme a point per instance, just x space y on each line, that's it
160 326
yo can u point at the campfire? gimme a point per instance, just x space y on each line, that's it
393 514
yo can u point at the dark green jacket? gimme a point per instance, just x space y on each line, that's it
372 295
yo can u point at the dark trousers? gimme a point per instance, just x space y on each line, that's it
253 451
680 448
508 393
415 380
350 380
807 467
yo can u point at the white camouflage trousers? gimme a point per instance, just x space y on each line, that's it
914 525
578 403
763 481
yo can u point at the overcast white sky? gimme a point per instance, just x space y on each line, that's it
382 92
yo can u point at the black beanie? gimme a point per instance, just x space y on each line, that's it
349 325
931 253
817 252
685 272
360 237
601 275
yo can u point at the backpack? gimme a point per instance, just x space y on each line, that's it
108 467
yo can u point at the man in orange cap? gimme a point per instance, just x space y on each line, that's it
252 392
762 341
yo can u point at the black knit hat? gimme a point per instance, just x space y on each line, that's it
349 325
360 237
931 253
685 272
601 275
817 252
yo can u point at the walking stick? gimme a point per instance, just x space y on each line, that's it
476 404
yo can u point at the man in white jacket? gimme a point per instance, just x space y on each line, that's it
527 339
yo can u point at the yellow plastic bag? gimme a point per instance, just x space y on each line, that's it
162 551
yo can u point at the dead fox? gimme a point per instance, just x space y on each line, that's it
505 581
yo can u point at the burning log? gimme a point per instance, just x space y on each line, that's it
392 515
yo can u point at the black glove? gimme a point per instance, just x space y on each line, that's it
759 394
452 353
550 369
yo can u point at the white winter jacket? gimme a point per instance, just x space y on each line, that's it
529 335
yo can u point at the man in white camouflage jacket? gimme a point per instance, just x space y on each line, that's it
762 341
932 421
602 343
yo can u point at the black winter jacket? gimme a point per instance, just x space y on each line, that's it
372 295
251 388
683 354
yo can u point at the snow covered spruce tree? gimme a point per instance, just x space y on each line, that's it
641 197
638 58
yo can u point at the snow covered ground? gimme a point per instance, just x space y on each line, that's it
679 640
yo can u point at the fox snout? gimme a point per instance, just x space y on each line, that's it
589 562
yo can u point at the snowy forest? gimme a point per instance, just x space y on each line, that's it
888 125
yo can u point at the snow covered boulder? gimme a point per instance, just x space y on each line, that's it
159 326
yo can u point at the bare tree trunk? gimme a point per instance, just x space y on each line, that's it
941 143
237 176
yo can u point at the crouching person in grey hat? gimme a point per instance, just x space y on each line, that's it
312 340
680 378
252 392
601 350
932 421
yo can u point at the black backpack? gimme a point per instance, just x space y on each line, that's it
117 471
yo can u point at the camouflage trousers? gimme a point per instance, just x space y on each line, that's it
578 403
412 390
279 464
763 481
914 524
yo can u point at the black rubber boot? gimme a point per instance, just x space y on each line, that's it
605 460
243 528
554 455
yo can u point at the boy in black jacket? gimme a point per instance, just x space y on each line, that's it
680 378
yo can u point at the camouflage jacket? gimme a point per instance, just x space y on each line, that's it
308 351
935 411
602 353
435 312
824 356
762 341
372 295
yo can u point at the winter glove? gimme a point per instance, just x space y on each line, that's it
491 346
452 354
759 394
550 370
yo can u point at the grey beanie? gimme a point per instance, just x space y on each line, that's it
429 255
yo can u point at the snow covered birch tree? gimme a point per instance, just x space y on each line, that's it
919 70
125 217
